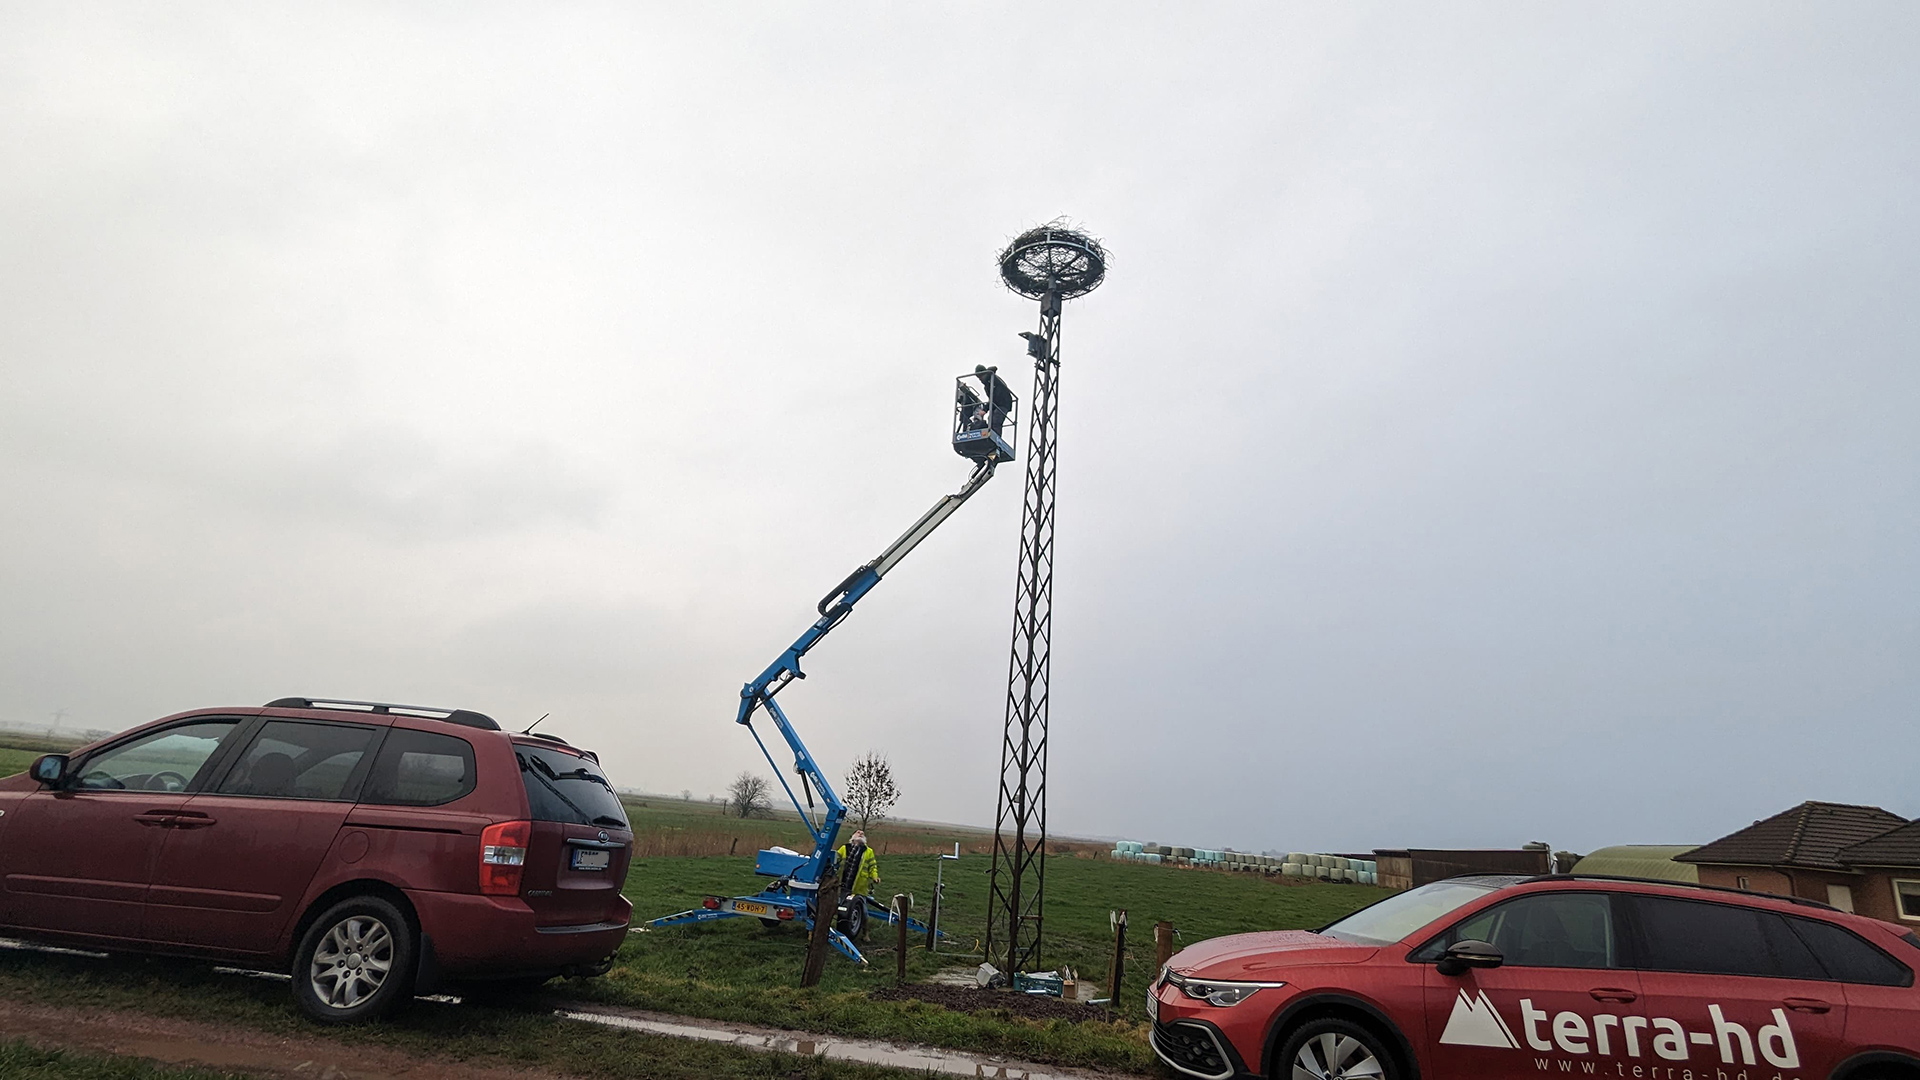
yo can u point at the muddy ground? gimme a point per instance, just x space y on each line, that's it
218 1046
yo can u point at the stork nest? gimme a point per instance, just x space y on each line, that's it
1053 258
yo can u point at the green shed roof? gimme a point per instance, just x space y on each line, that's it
1641 861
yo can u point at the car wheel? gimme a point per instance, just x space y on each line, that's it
1333 1049
355 963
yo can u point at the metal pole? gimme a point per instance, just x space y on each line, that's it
1018 879
900 958
1051 263
939 892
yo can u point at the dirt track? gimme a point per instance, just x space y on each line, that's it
216 1046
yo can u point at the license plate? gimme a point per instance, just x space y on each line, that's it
748 907
588 859
1153 1003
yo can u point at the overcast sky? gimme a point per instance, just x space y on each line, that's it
1498 423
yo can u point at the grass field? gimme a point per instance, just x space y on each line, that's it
17 750
669 825
737 969
16 761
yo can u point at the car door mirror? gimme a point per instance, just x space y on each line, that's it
50 769
1462 955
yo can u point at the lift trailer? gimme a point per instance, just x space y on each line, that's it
983 431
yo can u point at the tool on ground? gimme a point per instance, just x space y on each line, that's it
983 432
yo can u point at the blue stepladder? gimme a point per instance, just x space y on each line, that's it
985 415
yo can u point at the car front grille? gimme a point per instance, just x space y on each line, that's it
1190 1048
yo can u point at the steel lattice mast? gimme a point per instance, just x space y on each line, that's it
1051 264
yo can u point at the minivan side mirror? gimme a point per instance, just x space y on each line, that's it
50 769
1462 955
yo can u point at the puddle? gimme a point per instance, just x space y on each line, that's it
920 1058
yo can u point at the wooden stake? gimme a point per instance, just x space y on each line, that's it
1119 921
1162 944
826 905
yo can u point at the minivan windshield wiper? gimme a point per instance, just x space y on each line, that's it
538 768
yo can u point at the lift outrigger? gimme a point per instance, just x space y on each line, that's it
984 423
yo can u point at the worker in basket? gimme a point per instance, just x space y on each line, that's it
859 872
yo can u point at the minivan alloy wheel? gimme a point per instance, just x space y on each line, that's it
352 961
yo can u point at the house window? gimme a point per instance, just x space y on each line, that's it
1906 897
1840 896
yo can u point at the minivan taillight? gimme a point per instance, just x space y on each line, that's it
503 855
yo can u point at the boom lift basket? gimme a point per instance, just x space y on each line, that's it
985 416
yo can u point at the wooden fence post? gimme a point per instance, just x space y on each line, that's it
826 906
1162 945
1119 921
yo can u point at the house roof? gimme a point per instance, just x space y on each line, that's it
1809 835
1901 847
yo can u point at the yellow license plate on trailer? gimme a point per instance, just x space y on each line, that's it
748 907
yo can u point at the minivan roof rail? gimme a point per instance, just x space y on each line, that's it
464 717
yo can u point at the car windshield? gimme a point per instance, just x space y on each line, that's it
562 787
1397 916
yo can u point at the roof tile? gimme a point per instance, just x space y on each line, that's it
1809 835
1901 847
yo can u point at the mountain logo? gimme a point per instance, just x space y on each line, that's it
1475 1023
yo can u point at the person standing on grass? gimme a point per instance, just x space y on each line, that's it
859 870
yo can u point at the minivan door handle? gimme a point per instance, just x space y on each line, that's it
1808 1005
1612 993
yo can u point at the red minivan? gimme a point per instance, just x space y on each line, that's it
374 851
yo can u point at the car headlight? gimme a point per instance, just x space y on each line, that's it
1219 991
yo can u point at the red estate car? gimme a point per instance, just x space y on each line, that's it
373 850
1501 976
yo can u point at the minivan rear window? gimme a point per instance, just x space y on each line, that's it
562 787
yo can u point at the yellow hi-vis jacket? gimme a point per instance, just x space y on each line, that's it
868 873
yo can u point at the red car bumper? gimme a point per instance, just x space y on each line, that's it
1212 1041
498 936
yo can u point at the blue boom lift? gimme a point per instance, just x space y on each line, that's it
984 423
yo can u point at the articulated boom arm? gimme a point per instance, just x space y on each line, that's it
834 607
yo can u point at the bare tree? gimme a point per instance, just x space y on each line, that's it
871 791
747 796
